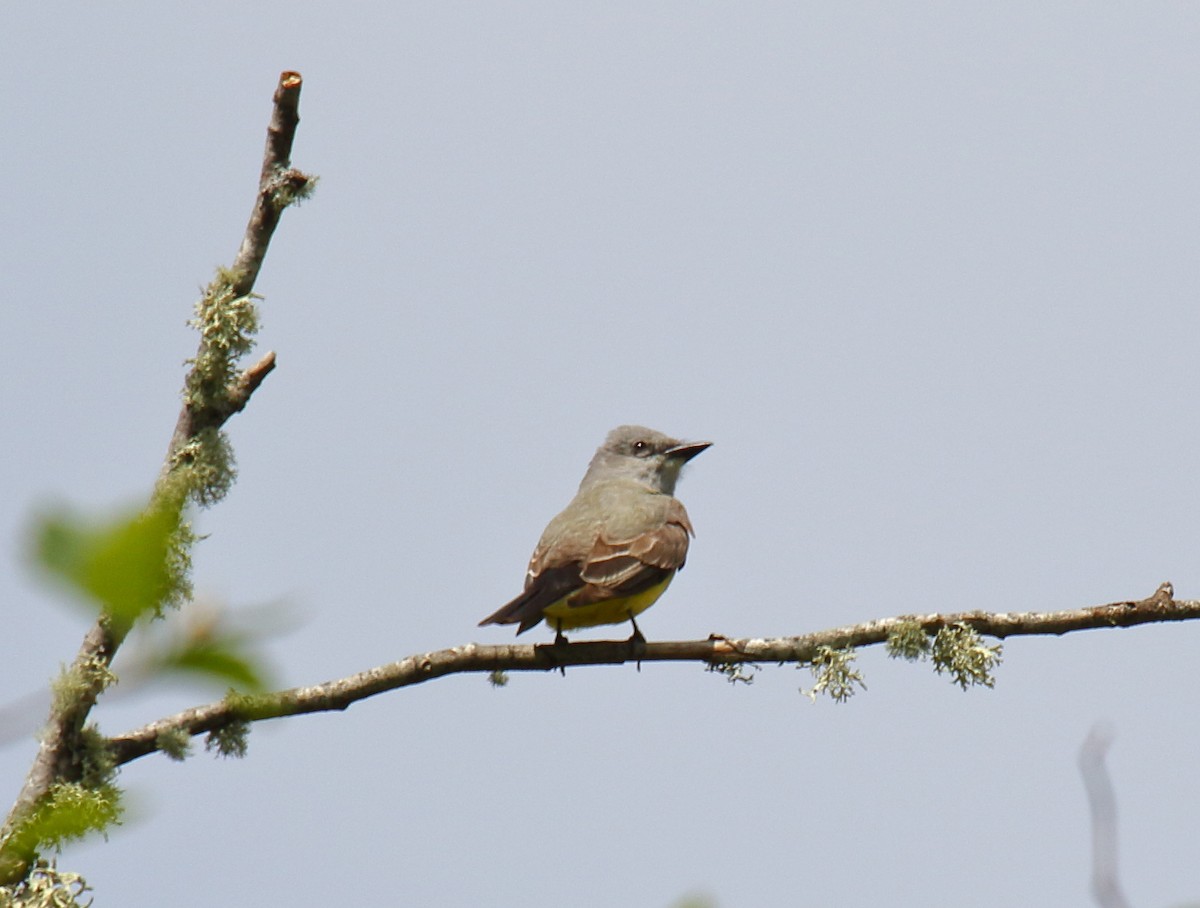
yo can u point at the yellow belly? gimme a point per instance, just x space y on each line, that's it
563 616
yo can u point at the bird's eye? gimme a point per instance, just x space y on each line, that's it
641 447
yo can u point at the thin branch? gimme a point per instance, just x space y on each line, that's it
1102 799
278 184
247 383
276 179
717 650
57 759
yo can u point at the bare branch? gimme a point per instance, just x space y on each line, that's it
717 650
277 183
248 382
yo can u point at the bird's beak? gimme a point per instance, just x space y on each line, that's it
686 450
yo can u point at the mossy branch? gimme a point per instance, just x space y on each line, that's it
825 649
227 314
198 466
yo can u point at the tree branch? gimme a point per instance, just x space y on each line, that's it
58 758
717 650
278 185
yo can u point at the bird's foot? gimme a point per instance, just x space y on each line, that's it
561 641
636 643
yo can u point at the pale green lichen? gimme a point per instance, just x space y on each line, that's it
734 672
227 323
908 640
46 887
85 680
835 674
291 187
174 488
206 466
175 743
959 650
98 766
179 561
228 740
252 706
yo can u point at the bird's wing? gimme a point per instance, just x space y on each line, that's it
625 567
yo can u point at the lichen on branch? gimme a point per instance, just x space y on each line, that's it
227 322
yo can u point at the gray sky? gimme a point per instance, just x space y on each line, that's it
926 276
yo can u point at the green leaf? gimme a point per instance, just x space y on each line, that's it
219 659
121 565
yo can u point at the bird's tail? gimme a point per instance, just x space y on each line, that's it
547 588
522 610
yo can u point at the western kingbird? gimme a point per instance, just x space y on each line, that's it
614 549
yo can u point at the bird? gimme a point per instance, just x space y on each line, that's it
610 553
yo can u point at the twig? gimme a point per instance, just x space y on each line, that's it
276 178
248 382
340 694
277 183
